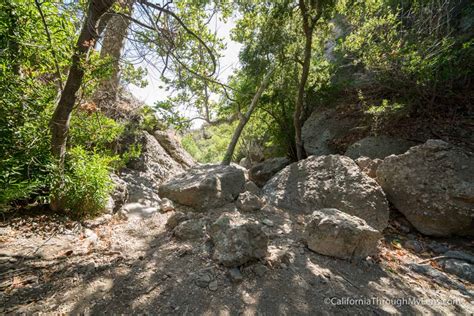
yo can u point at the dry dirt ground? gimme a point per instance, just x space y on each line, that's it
54 265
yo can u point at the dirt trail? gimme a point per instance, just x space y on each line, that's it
135 265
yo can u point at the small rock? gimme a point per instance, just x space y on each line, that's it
334 233
249 202
368 166
437 247
203 280
175 219
121 215
460 268
235 275
251 187
91 235
237 240
190 229
268 222
213 285
260 270
413 245
278 255
166 205
264 171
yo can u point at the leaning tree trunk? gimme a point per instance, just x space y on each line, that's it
245 118
59 123
310 12
112 46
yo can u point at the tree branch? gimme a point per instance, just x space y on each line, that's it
48 36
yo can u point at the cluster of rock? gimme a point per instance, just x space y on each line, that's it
236 239
432 184
345 197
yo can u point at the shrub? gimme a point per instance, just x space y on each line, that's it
86 185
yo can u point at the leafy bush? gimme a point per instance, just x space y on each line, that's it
94 131
86 185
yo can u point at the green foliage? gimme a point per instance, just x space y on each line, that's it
209 145
28 89
148 119
134 75
86 185
94 131
419 51
132 153
29 86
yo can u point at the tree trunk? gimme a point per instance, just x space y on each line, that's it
112 46
297 118
245 118
59 123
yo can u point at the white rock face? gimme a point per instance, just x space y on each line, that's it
331 181
433 186
237 240
334 233
205 186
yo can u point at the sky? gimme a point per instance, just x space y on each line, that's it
230 61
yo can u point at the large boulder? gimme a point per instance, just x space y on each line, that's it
171 143
205 186
237 240
334 233
264 171
378 147
331 181
322 128
433 186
